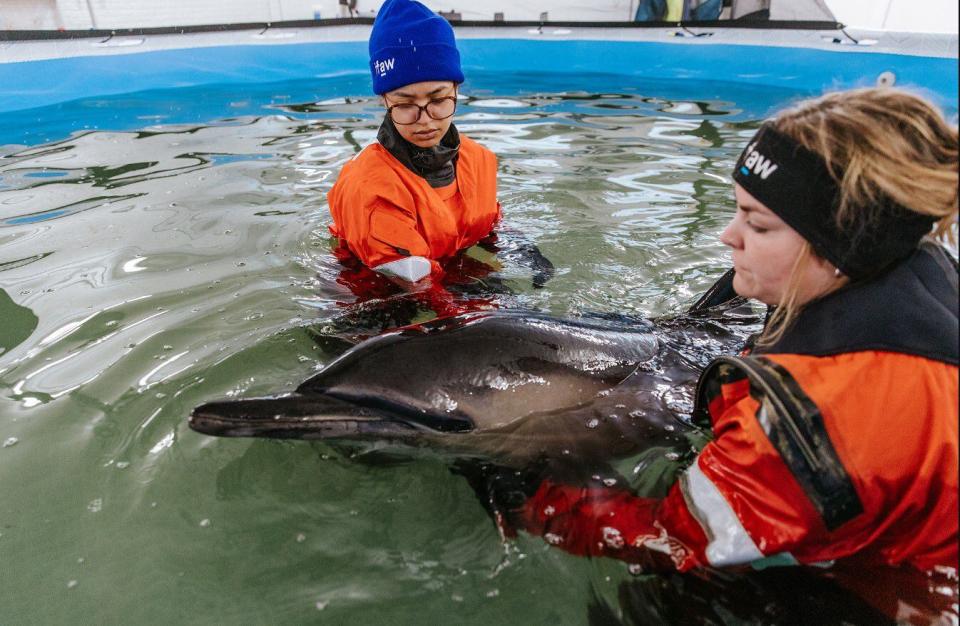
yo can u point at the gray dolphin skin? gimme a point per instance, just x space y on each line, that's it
508 386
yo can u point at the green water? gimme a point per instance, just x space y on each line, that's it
145 272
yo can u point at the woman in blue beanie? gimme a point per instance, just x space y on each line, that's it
423 191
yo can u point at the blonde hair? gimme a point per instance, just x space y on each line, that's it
880 145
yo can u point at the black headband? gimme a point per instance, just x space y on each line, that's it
795 183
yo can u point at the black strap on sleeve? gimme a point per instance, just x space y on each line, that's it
795 427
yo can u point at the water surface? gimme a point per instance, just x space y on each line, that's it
162 249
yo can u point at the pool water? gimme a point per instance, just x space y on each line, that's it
163 249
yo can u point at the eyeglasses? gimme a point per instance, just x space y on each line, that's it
409 113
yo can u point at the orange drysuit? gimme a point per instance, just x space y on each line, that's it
383 212
838 440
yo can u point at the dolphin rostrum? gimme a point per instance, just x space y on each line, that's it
509 386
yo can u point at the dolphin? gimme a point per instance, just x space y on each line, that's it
506 386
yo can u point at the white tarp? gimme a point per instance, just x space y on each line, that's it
805 10
927 16
904 16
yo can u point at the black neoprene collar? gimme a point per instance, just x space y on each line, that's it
437 164
910 309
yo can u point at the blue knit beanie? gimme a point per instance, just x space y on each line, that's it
410 44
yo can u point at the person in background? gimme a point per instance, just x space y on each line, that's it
678 10
835 435
423 191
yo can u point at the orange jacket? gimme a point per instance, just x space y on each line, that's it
880 480
383 212
866 463
840 441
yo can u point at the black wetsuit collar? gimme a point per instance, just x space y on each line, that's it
912 309
437 165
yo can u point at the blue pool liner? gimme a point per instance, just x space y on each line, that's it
47 100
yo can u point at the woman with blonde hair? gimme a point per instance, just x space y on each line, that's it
836 434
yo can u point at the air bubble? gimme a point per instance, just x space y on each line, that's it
205 523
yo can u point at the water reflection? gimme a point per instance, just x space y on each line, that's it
180 253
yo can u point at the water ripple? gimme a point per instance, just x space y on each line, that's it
146 269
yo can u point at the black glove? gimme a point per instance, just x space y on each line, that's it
502 491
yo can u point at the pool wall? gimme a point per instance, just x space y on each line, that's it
39 74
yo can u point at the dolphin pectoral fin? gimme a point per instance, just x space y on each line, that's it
720 293
328 341
319 416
